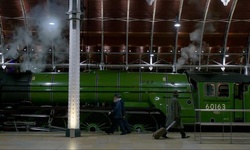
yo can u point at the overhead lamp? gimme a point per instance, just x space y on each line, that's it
52 23
3 66
126 67
225 2
223 68
177 24
174 68
246 70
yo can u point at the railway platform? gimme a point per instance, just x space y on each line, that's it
100 140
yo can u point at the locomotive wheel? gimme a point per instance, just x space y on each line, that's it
142 122
94 122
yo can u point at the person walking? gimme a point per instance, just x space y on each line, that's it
117 117
124 121
174 114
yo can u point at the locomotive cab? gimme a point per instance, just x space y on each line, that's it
219 92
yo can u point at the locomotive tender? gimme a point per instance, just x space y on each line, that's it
43 98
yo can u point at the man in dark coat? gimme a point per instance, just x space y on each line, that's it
124 121
117 116
174 114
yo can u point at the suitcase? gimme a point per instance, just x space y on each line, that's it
160 132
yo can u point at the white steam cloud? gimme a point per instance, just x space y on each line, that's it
38 44
191 52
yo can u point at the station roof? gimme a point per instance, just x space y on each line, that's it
132 33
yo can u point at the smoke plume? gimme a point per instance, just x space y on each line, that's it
34 49
192 51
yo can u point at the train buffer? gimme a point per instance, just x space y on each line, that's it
20 124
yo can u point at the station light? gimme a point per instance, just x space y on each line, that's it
223 68
225 2
246 71
3 66
52 23
177 24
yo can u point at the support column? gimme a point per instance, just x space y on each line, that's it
74 70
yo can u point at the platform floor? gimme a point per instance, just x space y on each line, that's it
57 141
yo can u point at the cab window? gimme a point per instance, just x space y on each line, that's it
223 90
209 89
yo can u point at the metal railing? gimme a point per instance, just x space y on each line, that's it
229 122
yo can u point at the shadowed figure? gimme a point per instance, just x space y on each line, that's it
117 116
174 114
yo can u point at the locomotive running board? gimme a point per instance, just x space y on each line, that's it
47 129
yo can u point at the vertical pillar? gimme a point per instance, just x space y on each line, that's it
74 70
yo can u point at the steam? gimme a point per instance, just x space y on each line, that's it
191 52
34 49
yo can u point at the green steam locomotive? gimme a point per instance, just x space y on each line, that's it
39 100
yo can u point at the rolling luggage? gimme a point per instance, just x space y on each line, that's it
157 134
160 132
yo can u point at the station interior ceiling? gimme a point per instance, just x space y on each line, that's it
133 35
